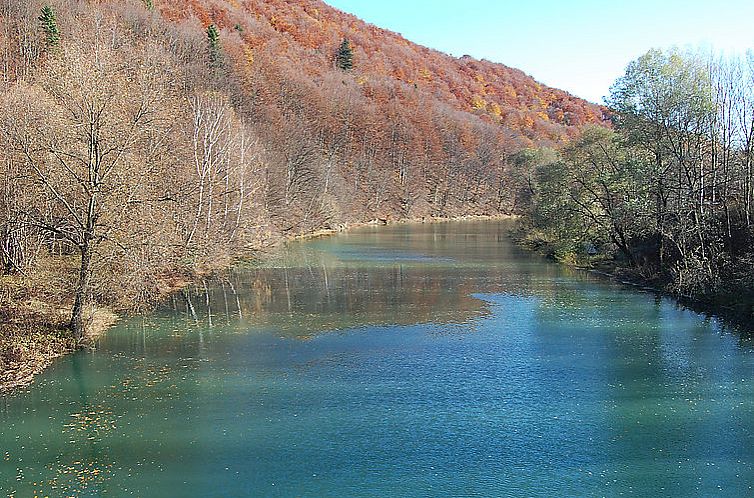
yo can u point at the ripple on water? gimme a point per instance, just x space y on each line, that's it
434 360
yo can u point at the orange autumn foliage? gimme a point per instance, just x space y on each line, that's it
312 30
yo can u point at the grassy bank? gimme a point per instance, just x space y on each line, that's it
35 310
34 313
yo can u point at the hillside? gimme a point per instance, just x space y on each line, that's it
307 32
145 142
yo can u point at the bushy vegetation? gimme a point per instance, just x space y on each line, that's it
669 191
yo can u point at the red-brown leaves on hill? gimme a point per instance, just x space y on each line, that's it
313 29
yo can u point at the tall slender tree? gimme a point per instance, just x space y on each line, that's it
344 56
49 24
214 47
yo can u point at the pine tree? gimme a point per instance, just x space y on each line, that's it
215 50
49 26
344 56
149 4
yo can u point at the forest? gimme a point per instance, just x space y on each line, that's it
145 142
667 194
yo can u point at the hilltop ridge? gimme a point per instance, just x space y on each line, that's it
310 30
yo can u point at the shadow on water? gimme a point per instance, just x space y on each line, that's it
738 319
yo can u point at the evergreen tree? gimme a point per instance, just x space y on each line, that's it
215 51
149 4
49 26
344 56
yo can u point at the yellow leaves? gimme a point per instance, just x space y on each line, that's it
361 80
495 109
510 92
482 84
425 74
248 56
478 103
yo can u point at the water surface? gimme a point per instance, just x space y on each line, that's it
417 360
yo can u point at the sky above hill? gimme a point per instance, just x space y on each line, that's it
580 46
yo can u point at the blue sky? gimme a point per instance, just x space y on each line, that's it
581 46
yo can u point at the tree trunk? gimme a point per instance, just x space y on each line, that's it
82 294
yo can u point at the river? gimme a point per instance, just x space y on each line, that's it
410 360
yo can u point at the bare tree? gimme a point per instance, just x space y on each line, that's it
81 135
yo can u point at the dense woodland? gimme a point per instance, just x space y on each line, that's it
669 192
147 141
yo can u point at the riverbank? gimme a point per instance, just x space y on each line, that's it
35 307
35 337
326 232
736 312
734 308
34 313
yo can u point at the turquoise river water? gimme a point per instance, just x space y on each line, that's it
414 360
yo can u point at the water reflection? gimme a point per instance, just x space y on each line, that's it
363 279
414 361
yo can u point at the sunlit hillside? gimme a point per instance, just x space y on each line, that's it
307 32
